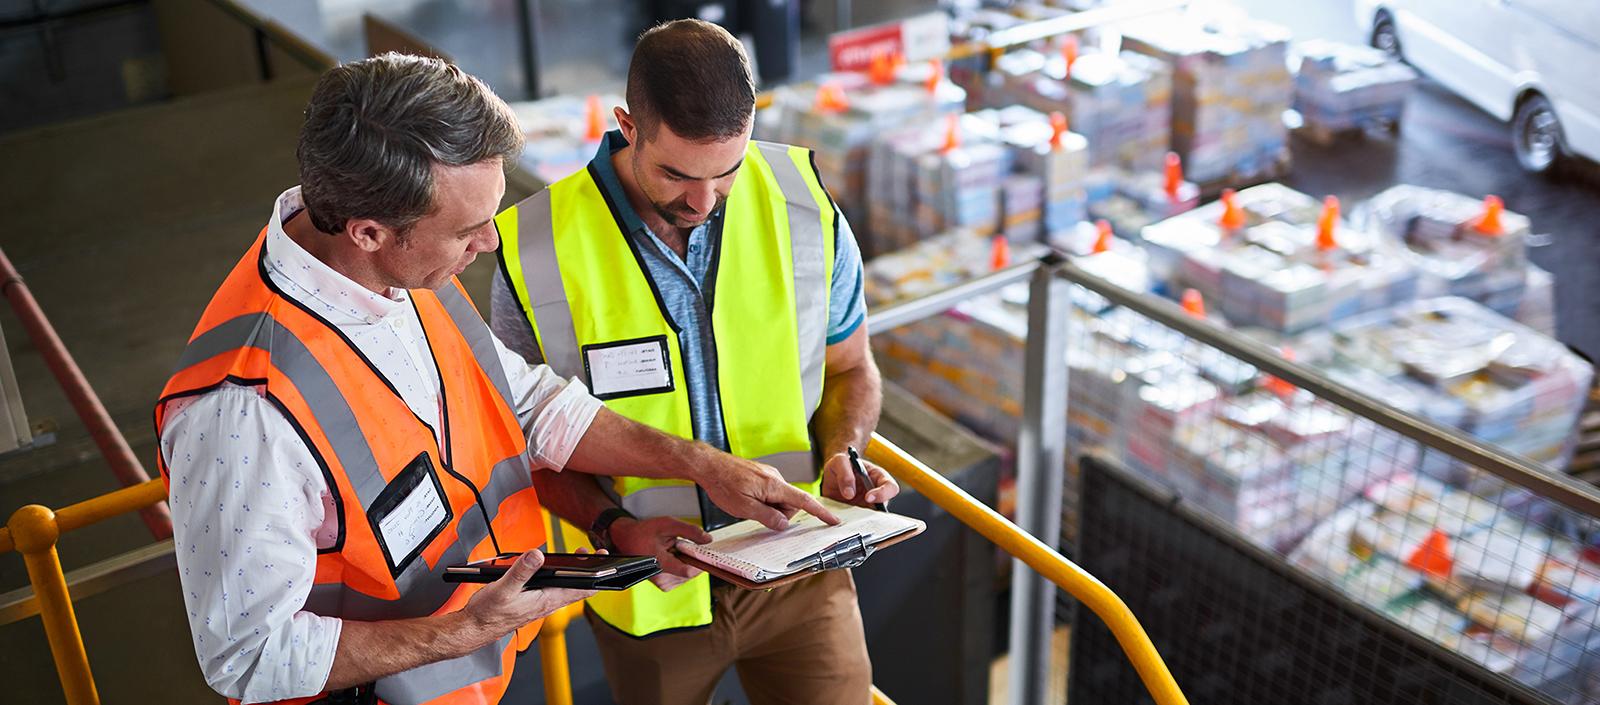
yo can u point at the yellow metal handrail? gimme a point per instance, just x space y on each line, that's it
34 531
1052 565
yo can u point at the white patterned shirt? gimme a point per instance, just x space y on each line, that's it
249 504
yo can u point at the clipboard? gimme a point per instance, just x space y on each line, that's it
847 553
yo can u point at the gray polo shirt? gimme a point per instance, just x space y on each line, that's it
684 291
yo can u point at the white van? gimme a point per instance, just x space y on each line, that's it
1535 63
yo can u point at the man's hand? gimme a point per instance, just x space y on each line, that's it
752 490
504 605
839 482
656 537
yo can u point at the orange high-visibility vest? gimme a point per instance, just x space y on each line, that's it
374 451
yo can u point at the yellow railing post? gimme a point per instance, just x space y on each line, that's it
34 531
1064 573
553 655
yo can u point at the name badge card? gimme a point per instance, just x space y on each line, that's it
628 368
409 513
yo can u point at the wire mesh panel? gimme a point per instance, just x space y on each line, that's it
1236 625
1486 570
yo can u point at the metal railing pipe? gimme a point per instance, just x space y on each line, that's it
1055 26
1041 463
1040 557
34 530
97 509
553 654
124 464
940 301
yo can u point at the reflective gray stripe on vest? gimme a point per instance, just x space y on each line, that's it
424 683
327 403
541 277
796 467
423 590
810 270
479 340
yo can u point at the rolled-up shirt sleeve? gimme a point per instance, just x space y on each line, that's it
249 508
554 412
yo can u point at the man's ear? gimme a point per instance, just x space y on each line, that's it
625 123
369 235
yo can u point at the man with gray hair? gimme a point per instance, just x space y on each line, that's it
343 426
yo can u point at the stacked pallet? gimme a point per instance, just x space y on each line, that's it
1231 86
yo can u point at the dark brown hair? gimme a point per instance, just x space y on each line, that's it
375 128
693 76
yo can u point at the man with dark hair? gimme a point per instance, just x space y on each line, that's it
343 425
704 284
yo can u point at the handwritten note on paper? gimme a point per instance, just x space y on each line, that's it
411 521
628 368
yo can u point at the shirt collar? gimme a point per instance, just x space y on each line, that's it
311 281
607 173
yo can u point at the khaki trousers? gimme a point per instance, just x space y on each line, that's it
800 644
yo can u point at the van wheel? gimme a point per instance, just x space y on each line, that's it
1385 37
1536 135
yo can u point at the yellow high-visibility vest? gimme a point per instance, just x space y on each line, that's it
585 291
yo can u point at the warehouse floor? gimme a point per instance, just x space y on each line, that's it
123 225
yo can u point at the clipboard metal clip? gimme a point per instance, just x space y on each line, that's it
844 553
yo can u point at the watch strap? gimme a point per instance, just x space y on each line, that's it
600 530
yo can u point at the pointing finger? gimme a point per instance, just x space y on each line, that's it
811 506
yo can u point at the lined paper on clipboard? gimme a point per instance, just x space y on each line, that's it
759 554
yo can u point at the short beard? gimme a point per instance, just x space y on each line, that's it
665 211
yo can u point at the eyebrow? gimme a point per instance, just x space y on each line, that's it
473 227
682 175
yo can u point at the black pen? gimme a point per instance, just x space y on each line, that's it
862 479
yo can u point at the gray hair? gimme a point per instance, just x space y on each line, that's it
375 128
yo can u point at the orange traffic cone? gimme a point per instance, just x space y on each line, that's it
881 69
830 99
1232 215
1326 224
595 120
999 253
1194 304
1174 176
1432 558
1278 385
1102 243
952 133
1069 51
1489 223
1058 127
935 76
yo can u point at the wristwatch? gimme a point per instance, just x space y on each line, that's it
600 530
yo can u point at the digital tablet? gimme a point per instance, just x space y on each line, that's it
583 571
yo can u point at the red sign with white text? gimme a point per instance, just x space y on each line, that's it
915 39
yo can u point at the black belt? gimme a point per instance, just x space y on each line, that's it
359 695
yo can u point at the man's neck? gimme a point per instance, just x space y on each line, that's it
334 251
675 237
